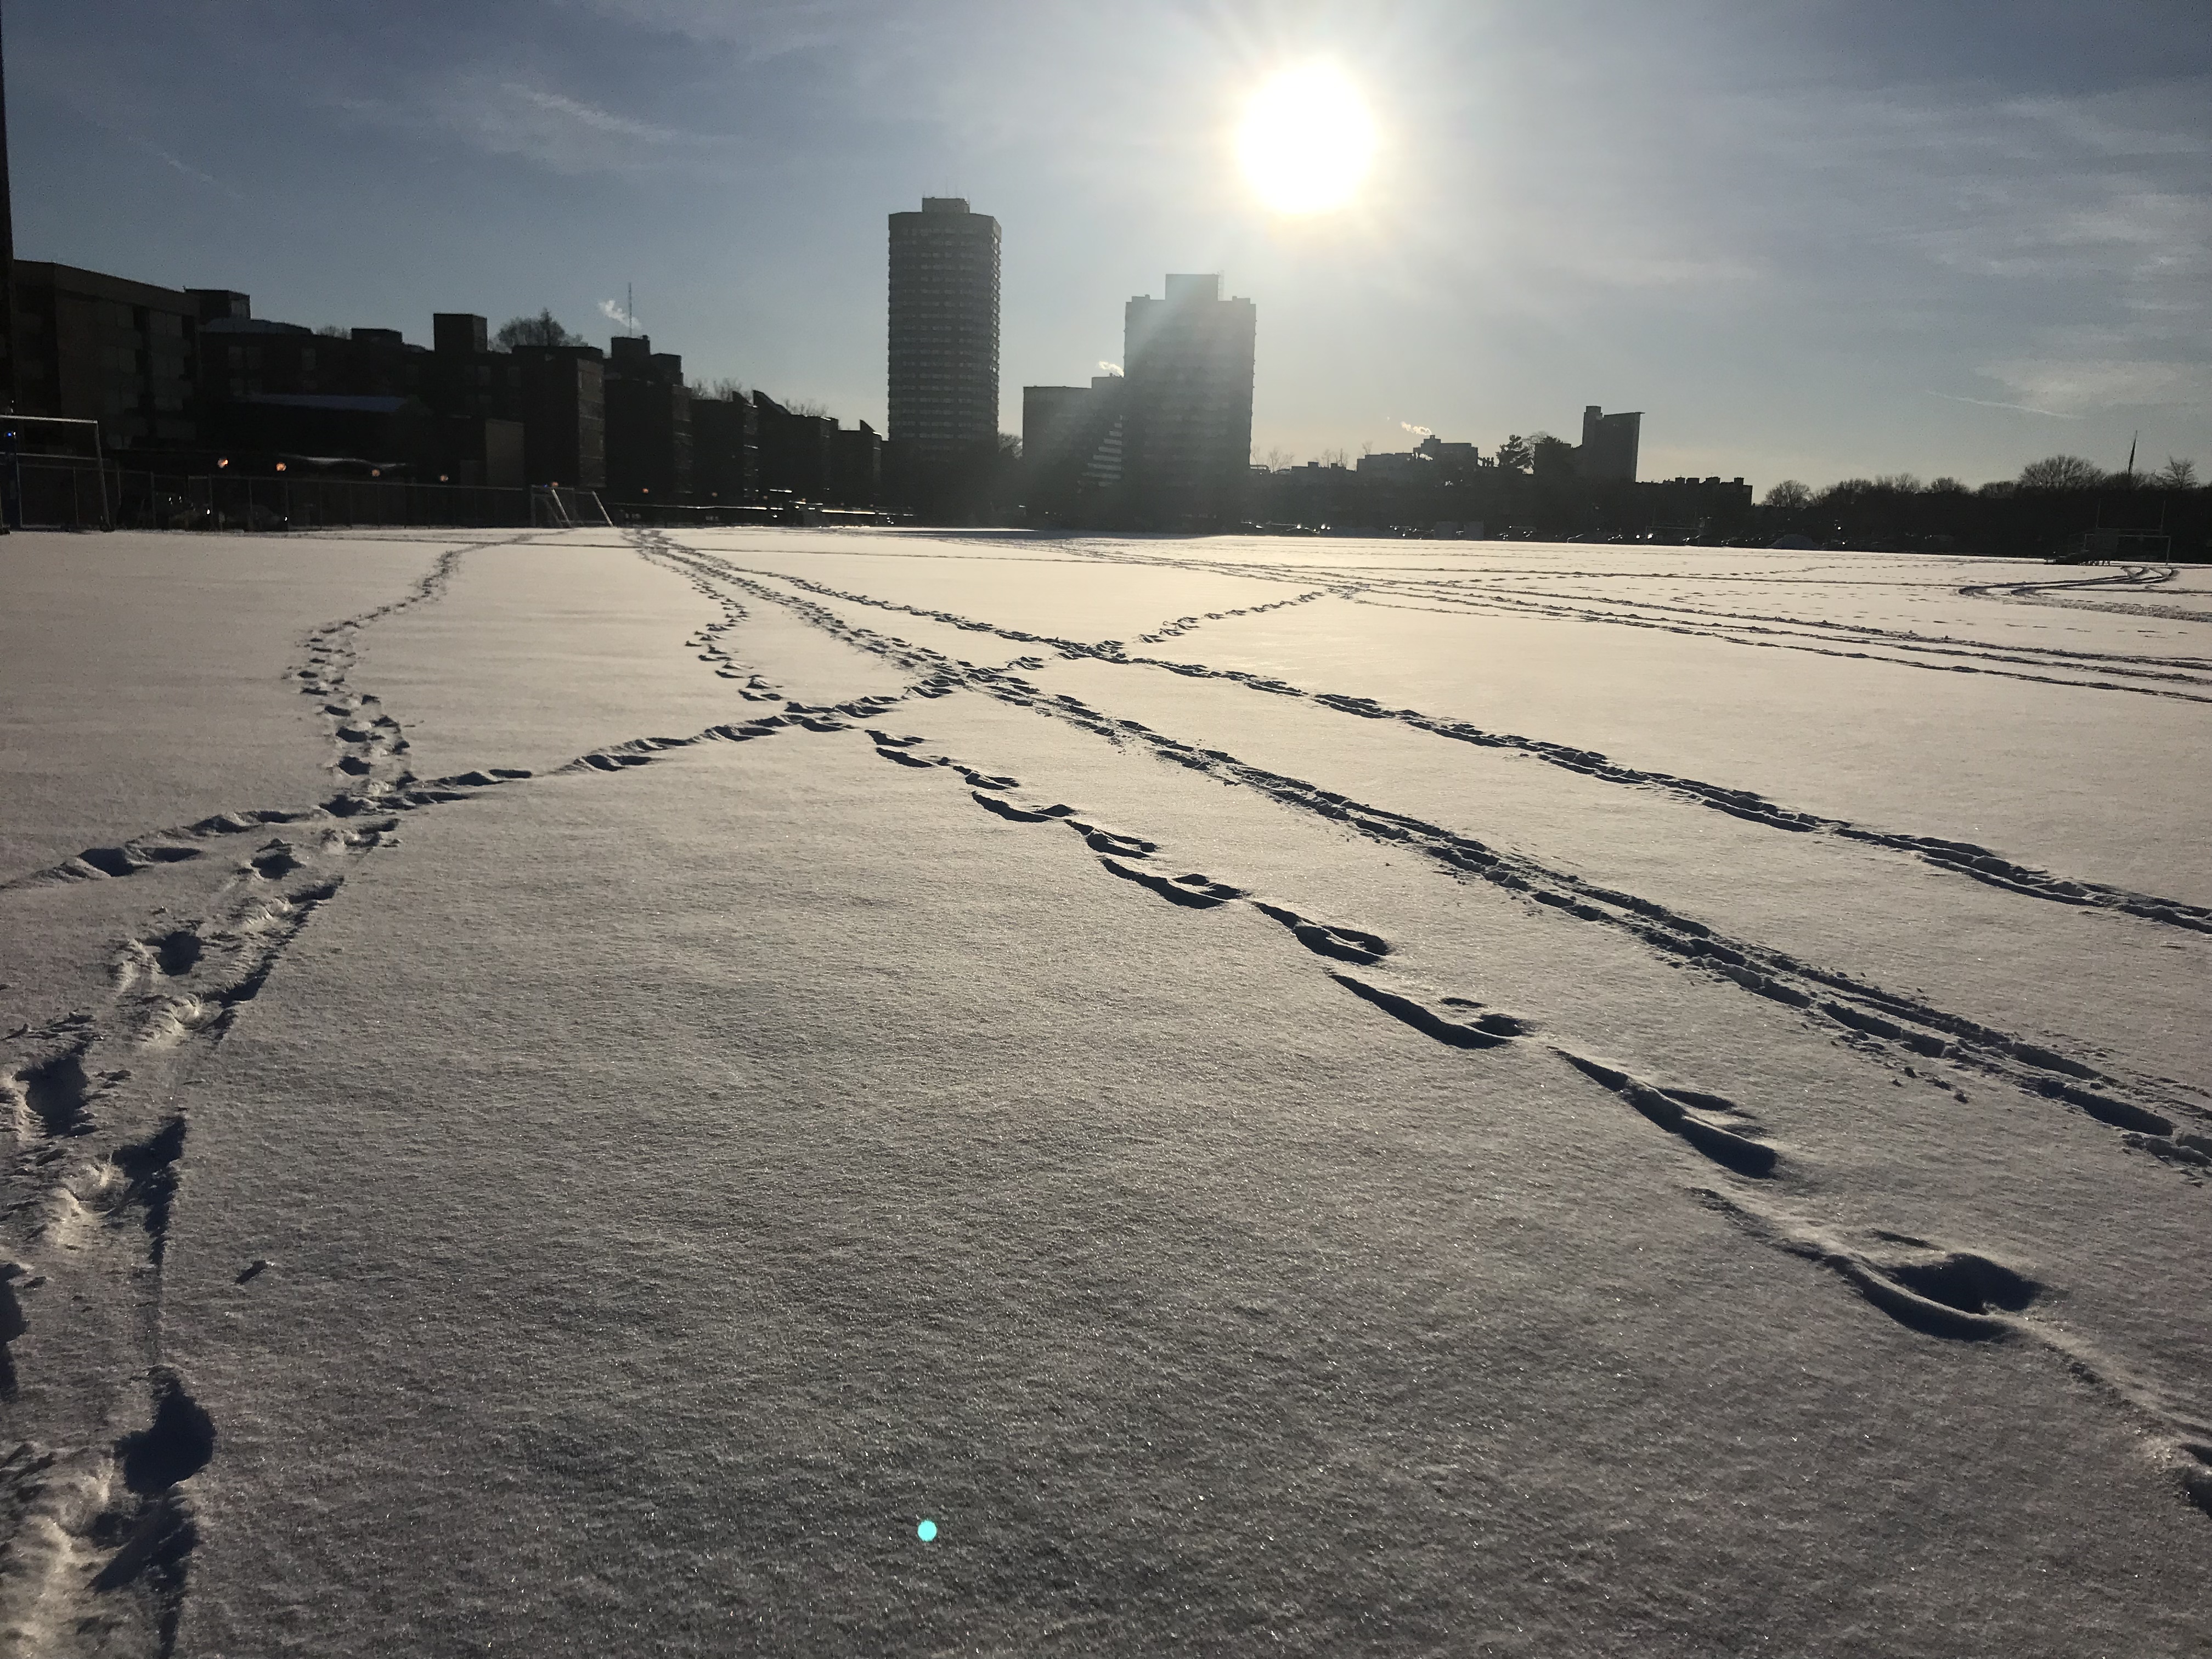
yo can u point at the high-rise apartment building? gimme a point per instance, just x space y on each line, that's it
1608 451
1187 422
943 343
1071 449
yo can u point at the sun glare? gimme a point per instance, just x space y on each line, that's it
1307 141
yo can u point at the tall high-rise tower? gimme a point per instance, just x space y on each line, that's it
943 345
1609 445
1187 424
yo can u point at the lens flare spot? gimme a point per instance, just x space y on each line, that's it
926 1531
1307 141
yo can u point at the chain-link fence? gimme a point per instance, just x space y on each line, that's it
63 492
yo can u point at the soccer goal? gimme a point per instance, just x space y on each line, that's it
553 507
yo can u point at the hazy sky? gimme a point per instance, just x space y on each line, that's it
1814 240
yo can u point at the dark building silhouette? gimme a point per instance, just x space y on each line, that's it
7 257
279 390
1431 460
944 351
1187 433
1607 451
564 414
648 416
808 460
725 452
1071 450
391 436
798 462
89 346
477 394
856 467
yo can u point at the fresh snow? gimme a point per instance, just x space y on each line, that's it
570 1089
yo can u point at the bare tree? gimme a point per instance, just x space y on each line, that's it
1277 458
2061 472
2176 474
724 390
1332 458
543 330
1901 484
1790 496
332 331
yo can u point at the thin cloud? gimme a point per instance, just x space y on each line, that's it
189 171
1983 403
562 134
600 120
2104 383
614 312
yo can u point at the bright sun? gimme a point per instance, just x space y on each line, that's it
1307 141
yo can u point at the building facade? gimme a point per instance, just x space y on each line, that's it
649 415
725 451
1186 430
1071 450
1607 451
944 346
564 414
89 346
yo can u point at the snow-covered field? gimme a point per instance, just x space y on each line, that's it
568 1091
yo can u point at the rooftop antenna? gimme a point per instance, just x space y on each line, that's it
629 308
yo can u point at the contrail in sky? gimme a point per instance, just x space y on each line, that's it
1983 403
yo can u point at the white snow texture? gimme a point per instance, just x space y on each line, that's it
568 1091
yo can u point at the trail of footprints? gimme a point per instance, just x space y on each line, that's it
1940 1292
1966 859
102 1534
107 1534
1820 638
2175 1130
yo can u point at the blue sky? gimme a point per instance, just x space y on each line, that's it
1808 240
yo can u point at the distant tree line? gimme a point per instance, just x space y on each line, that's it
1529 486
2047 510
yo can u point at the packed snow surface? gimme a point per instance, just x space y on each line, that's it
795 1091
